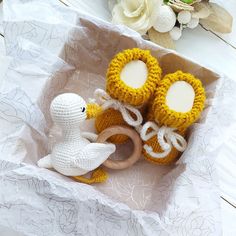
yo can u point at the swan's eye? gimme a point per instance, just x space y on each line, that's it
83 109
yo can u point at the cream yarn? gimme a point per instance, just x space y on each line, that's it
106 102
74 155
166 136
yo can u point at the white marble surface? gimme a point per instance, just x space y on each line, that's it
1 17
207 48
2 48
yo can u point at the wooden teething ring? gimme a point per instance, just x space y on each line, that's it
133 135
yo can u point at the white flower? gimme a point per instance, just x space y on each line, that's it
139 15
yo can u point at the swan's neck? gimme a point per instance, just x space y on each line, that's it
71 134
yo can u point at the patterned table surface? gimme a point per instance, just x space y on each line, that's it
208 48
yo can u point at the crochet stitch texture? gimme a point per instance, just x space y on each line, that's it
93 110
165 116
118 90
162 115
74 154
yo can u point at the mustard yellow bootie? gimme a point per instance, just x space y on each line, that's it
163 133
121 103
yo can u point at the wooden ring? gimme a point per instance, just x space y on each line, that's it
133 135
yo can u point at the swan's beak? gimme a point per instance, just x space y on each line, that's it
93 110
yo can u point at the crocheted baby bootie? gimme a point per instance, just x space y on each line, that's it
122 100
163 133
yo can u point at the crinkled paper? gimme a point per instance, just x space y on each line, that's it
55 49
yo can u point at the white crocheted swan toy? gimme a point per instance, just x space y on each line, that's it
74 155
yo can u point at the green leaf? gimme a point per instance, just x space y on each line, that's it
187 1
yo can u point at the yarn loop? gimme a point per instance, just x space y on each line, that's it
166 136
105 100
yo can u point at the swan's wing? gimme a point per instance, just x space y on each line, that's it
93 155
92 137
45 162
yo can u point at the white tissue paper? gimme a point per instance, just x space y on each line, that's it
55 49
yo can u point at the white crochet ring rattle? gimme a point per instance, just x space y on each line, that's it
78 153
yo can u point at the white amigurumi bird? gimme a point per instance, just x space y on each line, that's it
74 155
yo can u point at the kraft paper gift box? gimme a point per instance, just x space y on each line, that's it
146 199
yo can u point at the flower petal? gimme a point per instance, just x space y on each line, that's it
133 8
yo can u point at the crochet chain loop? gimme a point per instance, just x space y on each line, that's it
166 136
104 99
